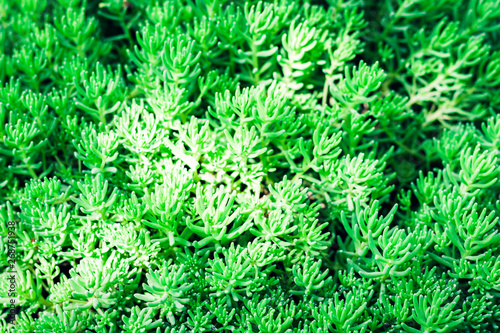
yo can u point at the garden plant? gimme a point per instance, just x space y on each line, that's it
278 166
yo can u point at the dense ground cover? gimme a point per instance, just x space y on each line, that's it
286 166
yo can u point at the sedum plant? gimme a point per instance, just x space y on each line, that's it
249 166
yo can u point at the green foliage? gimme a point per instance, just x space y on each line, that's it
250 166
